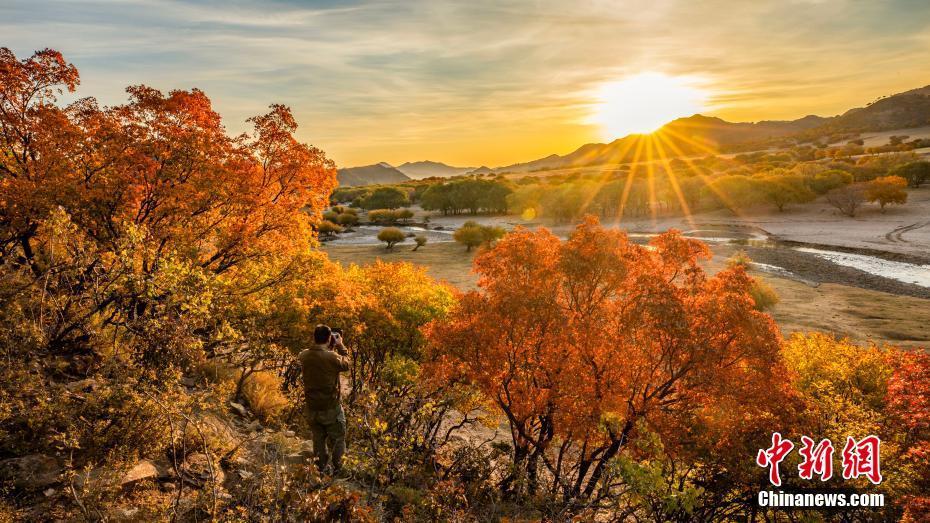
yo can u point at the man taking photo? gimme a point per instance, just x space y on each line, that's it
321 366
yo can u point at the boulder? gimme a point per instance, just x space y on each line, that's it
33 472
144 469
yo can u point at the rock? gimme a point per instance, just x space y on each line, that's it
35 471
50 492
196 470
239 409
297 458
144 469
187 381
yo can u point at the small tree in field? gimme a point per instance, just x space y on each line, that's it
847 199
403 215
328 229
887 190
469 237
347 219
420 241
471 234
391 236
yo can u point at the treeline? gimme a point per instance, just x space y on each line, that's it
775 179
458 196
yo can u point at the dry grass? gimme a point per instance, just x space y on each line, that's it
861 314
262 391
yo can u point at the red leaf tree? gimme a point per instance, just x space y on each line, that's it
581 343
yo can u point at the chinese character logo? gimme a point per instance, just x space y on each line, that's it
774 455
862 459
817 460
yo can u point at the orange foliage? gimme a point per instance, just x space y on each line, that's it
162 163
909 399
578 342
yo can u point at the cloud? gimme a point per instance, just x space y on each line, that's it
476 82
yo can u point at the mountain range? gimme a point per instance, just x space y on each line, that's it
370 175
700 134
694 135
428 169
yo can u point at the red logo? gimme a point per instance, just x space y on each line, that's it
860 458
774 455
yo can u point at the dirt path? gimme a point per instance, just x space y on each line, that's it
895 234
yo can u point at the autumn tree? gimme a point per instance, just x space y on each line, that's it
391 236
138 242
420 241
887 190
909 401
582 343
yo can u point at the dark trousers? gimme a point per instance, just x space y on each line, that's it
329 436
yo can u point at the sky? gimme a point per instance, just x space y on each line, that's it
480 82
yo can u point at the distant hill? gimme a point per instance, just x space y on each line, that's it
427 169
484 169
696 134
700 134
370 175
899 111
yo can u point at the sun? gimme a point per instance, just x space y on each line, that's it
645 102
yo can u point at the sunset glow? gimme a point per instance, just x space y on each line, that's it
644 102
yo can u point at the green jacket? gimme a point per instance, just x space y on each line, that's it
321 368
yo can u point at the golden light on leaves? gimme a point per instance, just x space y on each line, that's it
646 101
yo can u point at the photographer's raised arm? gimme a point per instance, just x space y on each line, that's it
340 349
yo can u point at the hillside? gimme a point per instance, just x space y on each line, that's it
370 175
696 134
428 169
699 134
900 111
